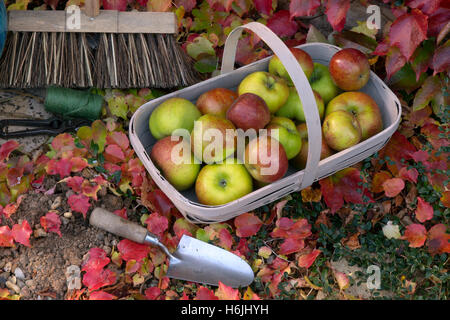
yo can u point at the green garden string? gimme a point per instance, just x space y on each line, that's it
71 103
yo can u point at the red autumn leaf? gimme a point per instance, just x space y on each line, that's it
438 239
114 153
132 251
51 222
433 134
14 176
248 52
397 148
74 183
415 234
204 293
282 25
95 279
441 58
161 202
97 260
393 187
90 190
6 237
119 138
426 6
382 48
157 224
336 12
226 241
101 295
408 31
343 185
121 213
152 293
438 20
291 245
395 60
263 6
306 260
79 203
242 248
21 233
378 179
182 226
63 142
120 5
420 155
301 8
6 149
409 174
424 210
78 164
287 228
187 4
63 167
11 208
225 292
247 225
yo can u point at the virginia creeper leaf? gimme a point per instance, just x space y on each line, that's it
79 203
393 186
415 234
21 233
282 25
408 31
132 251
300 8
51 222
424 210
306 260
247 225
336 12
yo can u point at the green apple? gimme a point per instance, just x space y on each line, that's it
293 108
363 107
277 68
284 130
322 82
341 130
174 113
173 156
272 89
219 184
213 138
299 161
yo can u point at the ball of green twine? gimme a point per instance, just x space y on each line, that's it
71 103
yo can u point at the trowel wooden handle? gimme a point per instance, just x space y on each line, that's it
110 222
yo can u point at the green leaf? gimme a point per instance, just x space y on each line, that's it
201 235
200 47
428 92
118 107
206 64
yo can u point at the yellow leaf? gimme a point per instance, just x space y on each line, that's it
310 284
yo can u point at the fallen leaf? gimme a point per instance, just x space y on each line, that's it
247 225
51 222
393 186
306 260
131 250
225 292
415 234
424 210
21 233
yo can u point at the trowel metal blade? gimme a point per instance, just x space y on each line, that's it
197 261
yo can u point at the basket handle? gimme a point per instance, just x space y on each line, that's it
301 84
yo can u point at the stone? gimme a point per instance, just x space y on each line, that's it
19 274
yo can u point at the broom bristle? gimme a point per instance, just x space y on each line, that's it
40 59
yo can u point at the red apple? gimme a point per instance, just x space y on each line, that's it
341 130
216 101
265 159
299 161
249 111
349 69
172 155
303 58
363 107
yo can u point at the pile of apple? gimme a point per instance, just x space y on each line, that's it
264 101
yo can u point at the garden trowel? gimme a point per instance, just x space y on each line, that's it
193 260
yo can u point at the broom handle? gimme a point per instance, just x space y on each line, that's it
92 8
